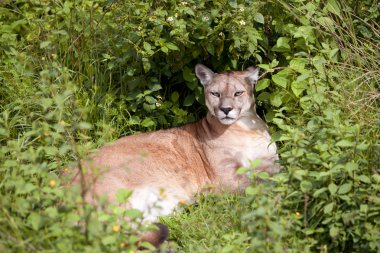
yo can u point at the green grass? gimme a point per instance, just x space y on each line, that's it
212 224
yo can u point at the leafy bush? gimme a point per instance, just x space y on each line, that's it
77 74
38 212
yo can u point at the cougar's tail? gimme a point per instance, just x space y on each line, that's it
156 237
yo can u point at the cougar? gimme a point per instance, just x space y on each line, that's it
167 167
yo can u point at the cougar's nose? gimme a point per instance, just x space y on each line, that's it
226 110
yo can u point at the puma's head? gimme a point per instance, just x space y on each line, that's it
229 96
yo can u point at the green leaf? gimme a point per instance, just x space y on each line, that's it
319 192
150 99
282 45
362 146
276 99
189 100
261 211
51 150
134 120
275 226
44 44
148 122
254 164
302 77
60 32
122 195
192 85
364 179
4 132
35 220
376 178
171 46
147 246
298 88
333 188
234 63
174 97
253 37
46 103
344 143
259 18
345 188
147 46
155 87
188 75
242 170
334 231
72 218
164 49
328 208
265 67
228 248
146 64
280 80
263 175
364 208
263 96
133 213
118 210
233 3
305 32
52 212
269 116
333 53
25 188
64 149
306 186
298 65
107 240
211 49
333 7
262 84
251 190
326 21
84 125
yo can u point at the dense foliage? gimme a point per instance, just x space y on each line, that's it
76 74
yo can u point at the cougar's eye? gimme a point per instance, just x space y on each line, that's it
215 94
239 93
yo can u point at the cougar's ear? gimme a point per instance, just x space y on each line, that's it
252 76
204 74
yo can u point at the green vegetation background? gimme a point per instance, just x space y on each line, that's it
76 74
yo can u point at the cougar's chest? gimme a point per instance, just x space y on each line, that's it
250 148
244 145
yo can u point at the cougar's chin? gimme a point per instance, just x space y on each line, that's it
227 120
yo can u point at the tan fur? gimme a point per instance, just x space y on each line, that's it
173 165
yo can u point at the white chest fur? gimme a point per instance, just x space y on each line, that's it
252 143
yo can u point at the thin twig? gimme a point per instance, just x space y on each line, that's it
271 71
305 208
